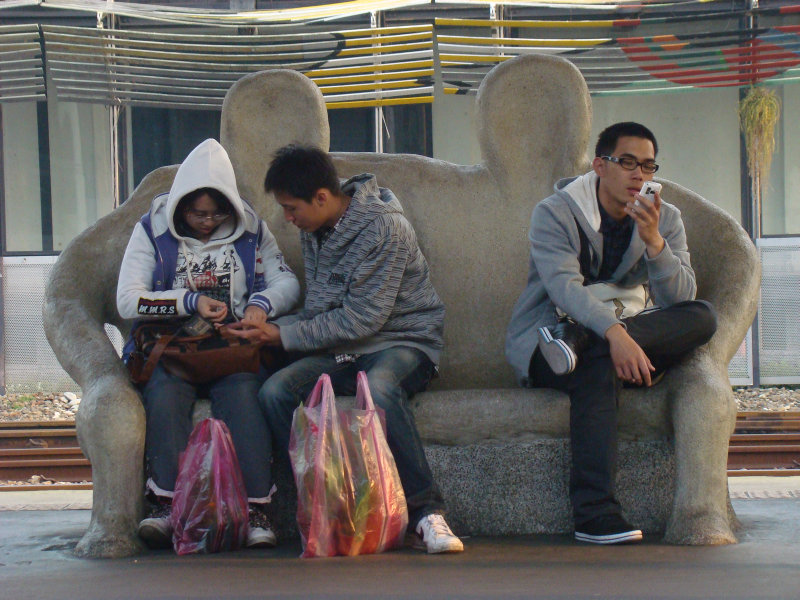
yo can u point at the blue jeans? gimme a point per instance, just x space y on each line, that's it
168 403
394 375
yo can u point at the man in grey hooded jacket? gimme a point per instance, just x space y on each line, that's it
369 306
600 253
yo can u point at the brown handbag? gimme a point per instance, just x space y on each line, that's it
194 358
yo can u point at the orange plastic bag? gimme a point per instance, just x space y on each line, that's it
209 508
380 514
349 497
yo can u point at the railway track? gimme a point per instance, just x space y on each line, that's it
47 449
764 443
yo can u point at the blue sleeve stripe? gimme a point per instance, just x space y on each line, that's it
190 301
261 302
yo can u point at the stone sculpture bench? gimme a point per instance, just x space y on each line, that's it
500 453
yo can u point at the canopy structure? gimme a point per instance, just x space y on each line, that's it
388 65
620 47
21 64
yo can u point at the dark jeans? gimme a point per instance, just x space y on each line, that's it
394 375
666 335
168 402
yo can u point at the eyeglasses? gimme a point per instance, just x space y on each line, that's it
217 217
629 163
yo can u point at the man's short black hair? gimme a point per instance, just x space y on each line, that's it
608 138
300 171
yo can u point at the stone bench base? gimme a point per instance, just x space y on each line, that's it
522 487
517 485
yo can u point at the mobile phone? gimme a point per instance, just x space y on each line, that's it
649 190
196 326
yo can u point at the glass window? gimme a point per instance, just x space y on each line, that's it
81 188
165 136
408 129
21 190
352 129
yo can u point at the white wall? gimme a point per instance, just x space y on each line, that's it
698 138
455 136
23 206
697 133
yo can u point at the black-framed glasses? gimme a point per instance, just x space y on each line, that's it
629 163
196 215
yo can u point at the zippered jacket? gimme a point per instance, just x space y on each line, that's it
368 285
153 281
555 279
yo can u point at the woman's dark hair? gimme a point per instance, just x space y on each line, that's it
608 138
300 171
221 200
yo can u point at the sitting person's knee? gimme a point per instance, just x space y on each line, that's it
706 319
272 388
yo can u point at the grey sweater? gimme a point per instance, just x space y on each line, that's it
555 280
368 285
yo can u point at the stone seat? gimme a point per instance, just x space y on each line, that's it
499 453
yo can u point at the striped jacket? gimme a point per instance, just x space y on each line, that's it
368 285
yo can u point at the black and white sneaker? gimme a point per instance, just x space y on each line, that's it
559 356
156 528
260 534
562 345
608 529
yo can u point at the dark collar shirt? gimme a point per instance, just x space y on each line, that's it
616 239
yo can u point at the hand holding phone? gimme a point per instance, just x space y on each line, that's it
649 189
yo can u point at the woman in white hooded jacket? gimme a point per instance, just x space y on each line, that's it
202 250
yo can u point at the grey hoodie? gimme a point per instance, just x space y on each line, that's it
368 286
555 280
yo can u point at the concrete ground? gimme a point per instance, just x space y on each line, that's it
37 534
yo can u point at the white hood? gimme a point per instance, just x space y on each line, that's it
583 191
207 166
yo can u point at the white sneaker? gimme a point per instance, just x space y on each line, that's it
156 532
259 537
436 535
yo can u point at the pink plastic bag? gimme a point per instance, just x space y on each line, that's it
350 500
324 494
209 509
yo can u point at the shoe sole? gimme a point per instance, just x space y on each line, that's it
558 355
417 543
614 538
450 550
263 543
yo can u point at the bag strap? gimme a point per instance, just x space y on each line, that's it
584 258
363 395
164 340
155 356
317 395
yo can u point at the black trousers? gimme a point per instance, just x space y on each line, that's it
666 335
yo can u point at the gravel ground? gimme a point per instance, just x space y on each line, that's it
55 407
39 407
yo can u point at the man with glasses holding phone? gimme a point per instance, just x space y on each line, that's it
609 302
